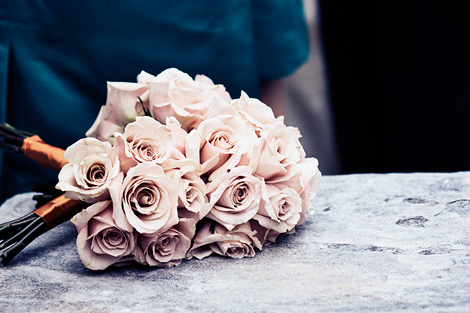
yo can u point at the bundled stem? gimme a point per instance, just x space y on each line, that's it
52 209
12 139
32 147
17 234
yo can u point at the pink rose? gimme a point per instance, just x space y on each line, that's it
282 212
147 198
191 188
167 248
178 134
144 141
256 112
174 93
281 149
234 198
92 165
122 107
100 242
219 144
267 236
310 180
214 238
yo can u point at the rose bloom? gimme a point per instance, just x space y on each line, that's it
214 238
177 133
256 112
282 212
174 93
144 141
267 236
92 165
122 107
234 198
219 144
147 198
310 180
167 248
281 149
191 188
100 242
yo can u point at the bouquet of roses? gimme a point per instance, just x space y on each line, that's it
173 168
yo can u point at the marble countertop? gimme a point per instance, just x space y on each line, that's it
376 243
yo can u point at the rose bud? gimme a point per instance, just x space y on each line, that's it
122 107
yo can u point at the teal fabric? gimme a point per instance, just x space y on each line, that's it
56 57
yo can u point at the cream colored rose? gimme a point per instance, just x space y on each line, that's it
256 112
92 165
267 236
147 198
122 107
100 241
174 93
282 212
281 149
310 179
167 248
177 133
214 238
234 198
144 141
219 144
191 188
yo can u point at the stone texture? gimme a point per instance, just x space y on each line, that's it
392 243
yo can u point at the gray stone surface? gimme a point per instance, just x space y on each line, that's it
391 243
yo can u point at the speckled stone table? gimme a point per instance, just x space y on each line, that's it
376 243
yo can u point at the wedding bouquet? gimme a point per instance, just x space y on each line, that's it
173 168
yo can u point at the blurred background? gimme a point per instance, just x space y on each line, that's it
386 88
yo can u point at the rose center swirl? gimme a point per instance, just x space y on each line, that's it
149 150
280 151
191 193
240 194
96 174
145 198
222 140
113 237
284 207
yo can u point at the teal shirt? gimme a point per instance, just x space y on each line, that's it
56 57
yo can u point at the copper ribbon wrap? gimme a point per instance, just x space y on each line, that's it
48 156
59 210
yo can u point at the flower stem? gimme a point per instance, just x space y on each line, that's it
20 235
11 138
10 147
7 128
6 229
29 233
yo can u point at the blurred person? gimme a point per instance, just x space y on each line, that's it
56 57
307 104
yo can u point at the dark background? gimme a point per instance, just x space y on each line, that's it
399 84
